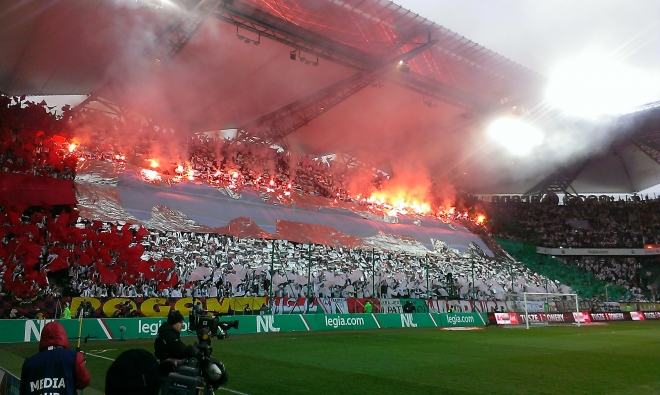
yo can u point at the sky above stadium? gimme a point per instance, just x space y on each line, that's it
540 34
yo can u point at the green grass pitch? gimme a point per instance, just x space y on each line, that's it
620 358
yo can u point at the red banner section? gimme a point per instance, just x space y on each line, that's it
28 190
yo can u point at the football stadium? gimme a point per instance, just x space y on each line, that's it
328 197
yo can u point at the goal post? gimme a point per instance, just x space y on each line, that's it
544 308
536 295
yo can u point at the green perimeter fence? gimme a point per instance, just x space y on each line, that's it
17 331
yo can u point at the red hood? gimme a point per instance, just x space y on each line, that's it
53 334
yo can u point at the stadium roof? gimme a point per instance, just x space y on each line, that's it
365 78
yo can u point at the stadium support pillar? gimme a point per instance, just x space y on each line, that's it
428 291
577 309
473 296
511 273
373 273
309 268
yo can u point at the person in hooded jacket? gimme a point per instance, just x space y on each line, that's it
168 343
55 369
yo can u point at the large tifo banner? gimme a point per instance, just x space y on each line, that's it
18 331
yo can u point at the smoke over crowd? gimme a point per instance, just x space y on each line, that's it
416 152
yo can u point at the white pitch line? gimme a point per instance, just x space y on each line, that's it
99 356
220 388
233 391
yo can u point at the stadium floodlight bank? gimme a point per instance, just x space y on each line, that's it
539 302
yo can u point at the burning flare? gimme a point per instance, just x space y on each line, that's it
399 204
150 175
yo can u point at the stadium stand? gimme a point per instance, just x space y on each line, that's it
104 258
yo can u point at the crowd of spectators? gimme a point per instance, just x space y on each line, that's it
581 223
104 259
625 272
128 260
590 222
30 142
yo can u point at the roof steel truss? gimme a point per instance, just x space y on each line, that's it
286 120
262 23
560 180
177 35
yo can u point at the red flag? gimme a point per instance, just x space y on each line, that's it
141 233
58 263
164 264
107 275
132 268
72 235
144 267
42 280
31 229
60 251
174 280
130 256
85 259
62 219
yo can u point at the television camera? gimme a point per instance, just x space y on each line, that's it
198 374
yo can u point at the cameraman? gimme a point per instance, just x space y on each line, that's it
168 342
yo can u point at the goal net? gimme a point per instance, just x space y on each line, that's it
542 309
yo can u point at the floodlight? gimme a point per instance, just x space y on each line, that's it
517 136
403 67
